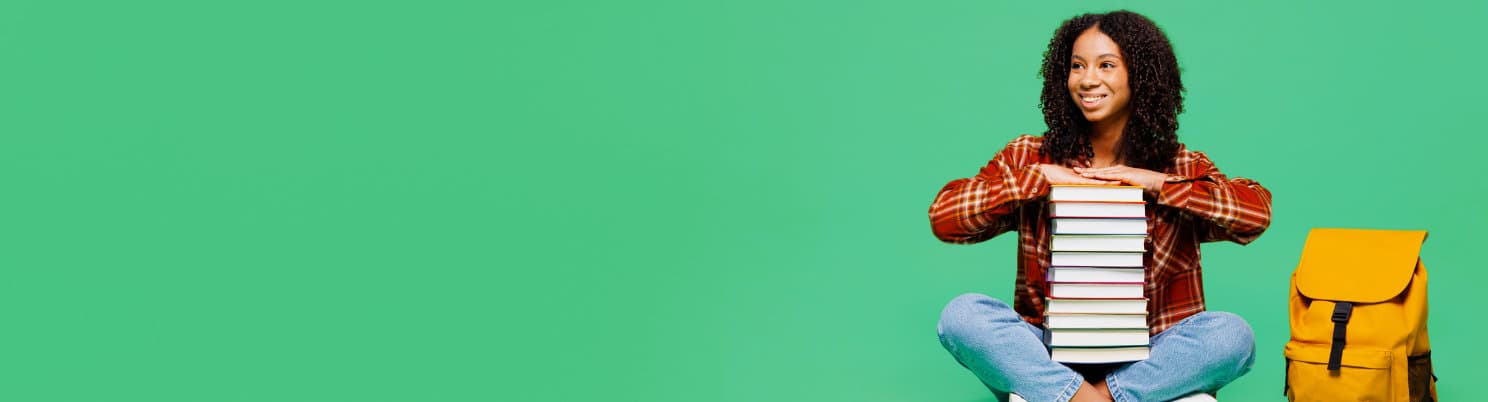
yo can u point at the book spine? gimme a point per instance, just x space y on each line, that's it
1106 242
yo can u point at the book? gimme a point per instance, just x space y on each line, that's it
1096 274
1082 192
1099 355
1098 337
1075 209
1128 243
1100 226
1093 259
1096 321
1095 311
1096 290
1054 305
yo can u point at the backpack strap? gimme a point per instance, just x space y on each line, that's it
1341 313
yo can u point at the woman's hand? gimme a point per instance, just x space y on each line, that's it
1149 180
1062 175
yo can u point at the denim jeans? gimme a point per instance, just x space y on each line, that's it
1201 353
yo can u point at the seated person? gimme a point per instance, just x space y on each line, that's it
1111 96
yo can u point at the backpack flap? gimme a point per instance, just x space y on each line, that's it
1358 265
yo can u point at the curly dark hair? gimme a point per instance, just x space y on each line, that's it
1150 138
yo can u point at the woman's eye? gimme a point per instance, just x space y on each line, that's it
1108 65
1075 66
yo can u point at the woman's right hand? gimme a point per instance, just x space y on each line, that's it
1062 175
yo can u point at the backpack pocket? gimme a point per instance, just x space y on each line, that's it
1364 374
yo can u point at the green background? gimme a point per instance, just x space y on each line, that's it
641 201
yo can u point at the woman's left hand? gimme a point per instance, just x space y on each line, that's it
1150 180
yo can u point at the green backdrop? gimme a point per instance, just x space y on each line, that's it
640 201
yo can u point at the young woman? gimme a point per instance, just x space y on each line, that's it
1111 97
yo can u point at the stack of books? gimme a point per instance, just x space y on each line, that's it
1097 310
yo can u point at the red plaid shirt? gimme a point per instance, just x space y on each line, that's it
1197 204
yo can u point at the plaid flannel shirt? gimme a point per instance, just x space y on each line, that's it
1197 204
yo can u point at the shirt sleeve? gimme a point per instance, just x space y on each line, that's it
1236 210
978 208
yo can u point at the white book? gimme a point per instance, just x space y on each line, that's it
1130 243
1098 226
1096 274
1099 355
1080 192
1072 209
1096 321
1094 259
1095 306
1098 337
1096 290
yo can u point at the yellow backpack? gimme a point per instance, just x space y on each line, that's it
1358 316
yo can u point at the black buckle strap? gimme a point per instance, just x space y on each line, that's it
1341 313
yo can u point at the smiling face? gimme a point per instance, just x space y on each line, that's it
1097 79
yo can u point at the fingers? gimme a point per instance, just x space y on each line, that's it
1086 180
1076 176
1118 172
1077 179
1111 177
1102 175
1108 169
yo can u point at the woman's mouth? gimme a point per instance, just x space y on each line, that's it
1091 100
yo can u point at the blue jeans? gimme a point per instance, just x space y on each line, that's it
1201 353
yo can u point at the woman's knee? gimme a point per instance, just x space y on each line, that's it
962 314
1231 340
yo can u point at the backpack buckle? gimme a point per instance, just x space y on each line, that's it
1342 312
